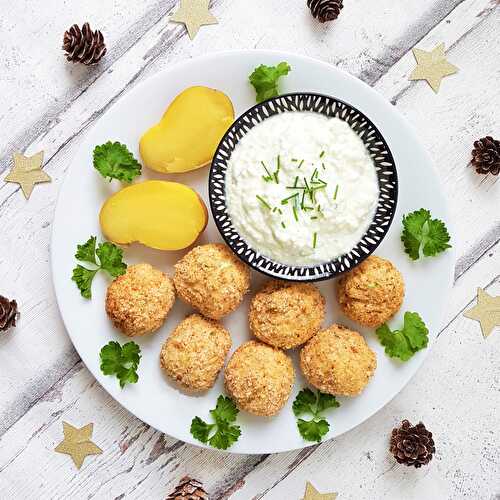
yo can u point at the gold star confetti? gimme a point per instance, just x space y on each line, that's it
27 171
77 443
193 14
313 494
487 312
432 66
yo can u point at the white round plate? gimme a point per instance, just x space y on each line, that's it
154 399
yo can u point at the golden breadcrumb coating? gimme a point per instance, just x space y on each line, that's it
212 280
372 292
286 315
194 353
259 378
338 361
138 301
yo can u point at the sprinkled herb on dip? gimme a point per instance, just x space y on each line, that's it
301 188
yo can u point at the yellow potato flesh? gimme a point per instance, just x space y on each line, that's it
159 214
189 132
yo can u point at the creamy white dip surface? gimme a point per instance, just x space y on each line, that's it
301 188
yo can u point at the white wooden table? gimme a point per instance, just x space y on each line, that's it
48 104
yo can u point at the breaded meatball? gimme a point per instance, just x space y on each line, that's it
338 361
138 301
259 378
285 314
372 292
194 353
212 280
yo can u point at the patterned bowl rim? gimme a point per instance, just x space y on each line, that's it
298 273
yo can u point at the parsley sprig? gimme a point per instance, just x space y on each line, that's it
222 433
404 343
308 402
121 361
265 80
107 257
113 160
422 234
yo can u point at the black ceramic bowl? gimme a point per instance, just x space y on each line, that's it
375 144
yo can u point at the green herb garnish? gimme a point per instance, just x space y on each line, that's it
421 233
263 201
107 257
226 433
315 239
404 343
285 201
300 164
121 361
283 225
314 404
322 154
114 161
295 215
336 192
265 80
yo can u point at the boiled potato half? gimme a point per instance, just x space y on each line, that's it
158 214
189 132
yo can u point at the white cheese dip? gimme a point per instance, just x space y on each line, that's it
301 188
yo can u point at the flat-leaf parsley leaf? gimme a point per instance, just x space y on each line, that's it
308 402
114 161
420 232
404 343
265 80
110 259
121 361
222 433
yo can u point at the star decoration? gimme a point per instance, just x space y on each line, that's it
487 312
27 172
193 14
77 443
313 494
432 66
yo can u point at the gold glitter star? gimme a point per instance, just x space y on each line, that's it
487 312
77 443
27 171
432 66
313 494
193 14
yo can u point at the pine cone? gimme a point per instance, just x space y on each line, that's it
83 45
8 313
188 489
325 10
486 156
412 445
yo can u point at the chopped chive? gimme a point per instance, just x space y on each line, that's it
322 154
284 201
315 239
295 215
315 173
283 225
267 179
279 211
296 181
336 192
323 165
300 164
294 159
265 168
274 209
302 201
263 201
318 208
307 208
314 217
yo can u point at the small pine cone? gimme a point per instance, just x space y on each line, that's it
84 45
8 313
325 10
486 156
188 489
412 445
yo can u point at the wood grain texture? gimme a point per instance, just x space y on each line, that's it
42 380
